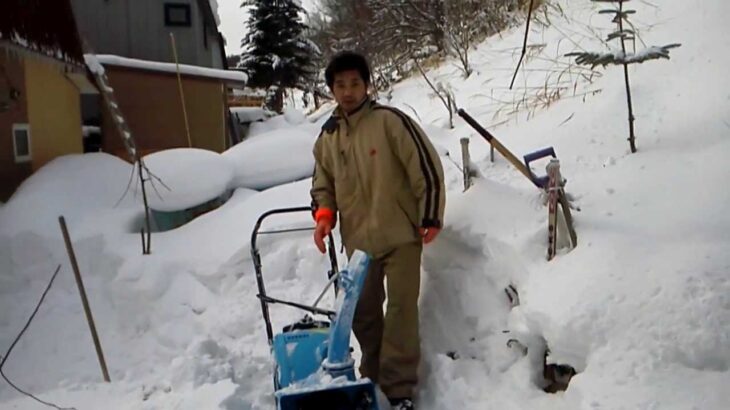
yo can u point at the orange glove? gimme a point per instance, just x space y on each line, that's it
325 222
429 234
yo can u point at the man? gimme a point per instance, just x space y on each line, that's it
376 167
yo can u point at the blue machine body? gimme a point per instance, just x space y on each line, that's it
315 368
298 354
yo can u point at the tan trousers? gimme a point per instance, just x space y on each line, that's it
391 345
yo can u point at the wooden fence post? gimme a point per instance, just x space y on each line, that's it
84 299
466 162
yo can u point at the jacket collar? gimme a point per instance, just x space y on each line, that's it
354 117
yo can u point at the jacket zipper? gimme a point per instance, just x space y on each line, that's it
370 233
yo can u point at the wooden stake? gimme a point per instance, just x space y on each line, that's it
553 170
524 45
145 250
84 300
556 196
568 218
465 162
144 244
182 94
496 144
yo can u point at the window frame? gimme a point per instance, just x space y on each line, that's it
22 158
171 6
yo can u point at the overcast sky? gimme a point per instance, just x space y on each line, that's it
233 20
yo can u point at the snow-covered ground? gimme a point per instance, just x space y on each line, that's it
641 308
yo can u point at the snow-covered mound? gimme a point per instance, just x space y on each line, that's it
74 186
294 116
291 118
186 177
258 161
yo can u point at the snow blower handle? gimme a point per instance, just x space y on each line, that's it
332 251
333 274
333 279
256 259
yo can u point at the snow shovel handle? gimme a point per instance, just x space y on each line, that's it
495 143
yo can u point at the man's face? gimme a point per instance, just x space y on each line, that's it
349 89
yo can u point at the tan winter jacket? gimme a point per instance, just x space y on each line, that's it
379 170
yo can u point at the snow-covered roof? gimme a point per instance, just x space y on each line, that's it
191 70
49 30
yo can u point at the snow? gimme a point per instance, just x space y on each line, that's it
48 50
251 92
294 116
53 191
108 59
186 177
87 130
640 308
619 57
257 163
291 119
93 63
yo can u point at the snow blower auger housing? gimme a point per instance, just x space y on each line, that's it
313 366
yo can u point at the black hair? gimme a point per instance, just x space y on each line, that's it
346 61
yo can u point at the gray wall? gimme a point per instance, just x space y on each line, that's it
136 29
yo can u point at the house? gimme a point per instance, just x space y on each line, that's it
141 30
167 102
42 77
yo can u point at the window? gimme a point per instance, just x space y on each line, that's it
21 142
177 14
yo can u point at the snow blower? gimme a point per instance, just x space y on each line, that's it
313 365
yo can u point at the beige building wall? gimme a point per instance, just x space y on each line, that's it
54 111
13 173
206 112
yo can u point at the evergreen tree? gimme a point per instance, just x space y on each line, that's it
276 54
